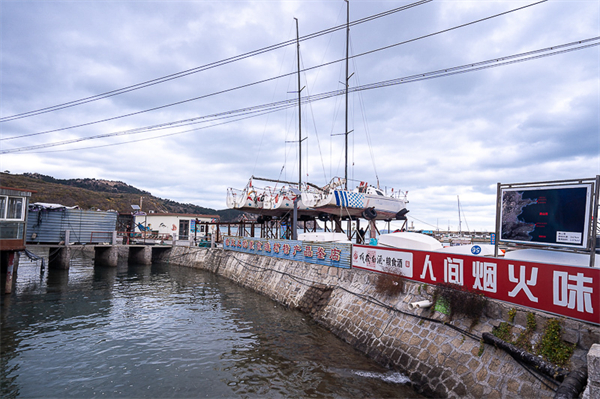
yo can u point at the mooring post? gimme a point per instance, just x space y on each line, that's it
9 273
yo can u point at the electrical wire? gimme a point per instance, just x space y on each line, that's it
264 80
204 67
496 62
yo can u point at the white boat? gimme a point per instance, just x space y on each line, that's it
408 240
423 242
469 249
247 199
323 237
283 199
364 201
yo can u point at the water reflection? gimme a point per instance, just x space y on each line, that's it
165 331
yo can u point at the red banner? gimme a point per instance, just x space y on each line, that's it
570 291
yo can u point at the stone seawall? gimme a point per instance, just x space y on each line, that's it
442 357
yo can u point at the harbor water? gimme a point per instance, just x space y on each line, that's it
164 331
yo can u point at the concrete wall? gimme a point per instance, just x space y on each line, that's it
442 357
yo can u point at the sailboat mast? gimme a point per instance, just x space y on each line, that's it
459 225
347 46
299 112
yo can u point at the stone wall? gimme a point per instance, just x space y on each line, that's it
442 357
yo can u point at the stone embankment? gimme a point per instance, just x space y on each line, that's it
442 357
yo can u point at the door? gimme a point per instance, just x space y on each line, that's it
184 229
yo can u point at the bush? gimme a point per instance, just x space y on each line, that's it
551 347
461 301
389 284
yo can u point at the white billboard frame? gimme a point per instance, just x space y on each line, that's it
588 233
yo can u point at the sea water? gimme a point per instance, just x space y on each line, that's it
162 331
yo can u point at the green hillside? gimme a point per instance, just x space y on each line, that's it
103 194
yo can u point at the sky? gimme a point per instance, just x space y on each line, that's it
443 139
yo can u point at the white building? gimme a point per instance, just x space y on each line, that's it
178 226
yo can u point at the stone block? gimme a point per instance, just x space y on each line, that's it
469 379
485 329
439 340
460 390
527 391
493 381
433 348
482 374
513 386
450 363
474 364
569 335
446 348
494 365
593 360
457 343
589 337
477 391
441 358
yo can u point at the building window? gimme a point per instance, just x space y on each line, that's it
2 207
12 231
15 208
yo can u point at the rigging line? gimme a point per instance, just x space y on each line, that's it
365 124
393 82
428 224
450 29
267 119
40 146
470 67
202 68
265 80
314 125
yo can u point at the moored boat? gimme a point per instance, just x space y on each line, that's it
364 201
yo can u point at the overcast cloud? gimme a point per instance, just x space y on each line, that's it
437 139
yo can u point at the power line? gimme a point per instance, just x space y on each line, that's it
266 80
204 67
472 67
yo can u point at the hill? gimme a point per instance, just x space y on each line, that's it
103 194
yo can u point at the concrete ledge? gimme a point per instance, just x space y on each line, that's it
140 255
60 258
106 256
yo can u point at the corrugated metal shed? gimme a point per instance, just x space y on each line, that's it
49 226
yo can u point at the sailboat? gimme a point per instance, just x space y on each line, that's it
335 199
366 201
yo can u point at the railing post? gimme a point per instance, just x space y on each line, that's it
67 237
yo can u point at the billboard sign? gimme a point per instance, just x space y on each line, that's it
546 215
571 291
334 254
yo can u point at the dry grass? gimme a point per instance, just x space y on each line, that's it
389 284
462 302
